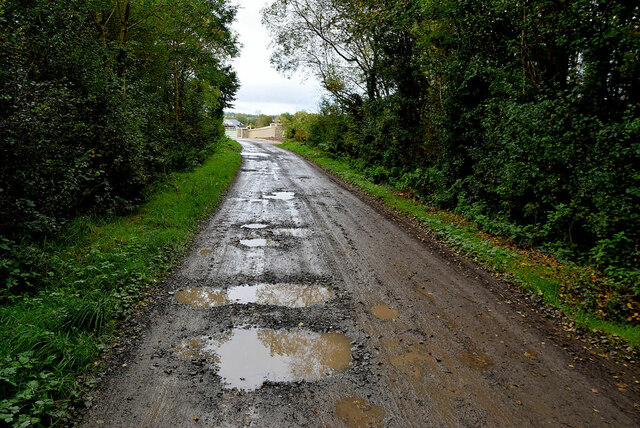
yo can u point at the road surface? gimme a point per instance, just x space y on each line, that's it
301 304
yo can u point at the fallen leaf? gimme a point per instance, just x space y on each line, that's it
519 403
595 391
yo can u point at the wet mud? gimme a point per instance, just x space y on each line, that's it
384 312
293 296
357 412
246 358
303 303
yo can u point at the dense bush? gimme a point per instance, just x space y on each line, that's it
523 116
97 98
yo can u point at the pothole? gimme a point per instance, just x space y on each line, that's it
291 231
282 196
255 242
254 226
255 155
246 358
475 359
384 312
290 295
357 412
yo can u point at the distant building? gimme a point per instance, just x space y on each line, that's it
232 124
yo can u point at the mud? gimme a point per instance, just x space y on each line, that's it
384 312
246 358
464 349
356 412
292 296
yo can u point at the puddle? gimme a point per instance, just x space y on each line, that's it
282 196
476 359
206 251
254 154
255 242
291 231
357 412
425 293
413 361
384 312
246 358
293 296
201 298
254 226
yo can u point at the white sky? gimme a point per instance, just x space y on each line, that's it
263 89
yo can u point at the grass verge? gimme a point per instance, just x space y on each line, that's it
96 275
559 285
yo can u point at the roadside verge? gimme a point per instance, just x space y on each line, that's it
560 285
97 275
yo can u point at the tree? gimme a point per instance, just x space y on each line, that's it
263 120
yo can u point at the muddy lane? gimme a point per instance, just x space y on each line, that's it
301 305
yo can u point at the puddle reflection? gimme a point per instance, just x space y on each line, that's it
254 226
293 296
248 357
282 196
256 242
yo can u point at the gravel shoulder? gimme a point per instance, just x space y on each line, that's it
433 339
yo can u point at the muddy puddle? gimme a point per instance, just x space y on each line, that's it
281 196
246 358
293 296
256 242
384 312
357 412
291 231
475 359
254 226
254 155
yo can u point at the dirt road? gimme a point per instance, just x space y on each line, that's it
301 305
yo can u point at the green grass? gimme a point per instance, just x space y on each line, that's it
528 269
97 275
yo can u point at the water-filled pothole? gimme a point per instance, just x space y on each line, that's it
282 196
357 412
254 226
291 231
290 295
384 312
255 154
246 358
255 242
475 359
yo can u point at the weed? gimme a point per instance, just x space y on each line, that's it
589 298
91 278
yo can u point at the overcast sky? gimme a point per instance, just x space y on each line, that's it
263 89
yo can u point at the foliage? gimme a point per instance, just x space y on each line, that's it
97 272
522 116
99 97
593 301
